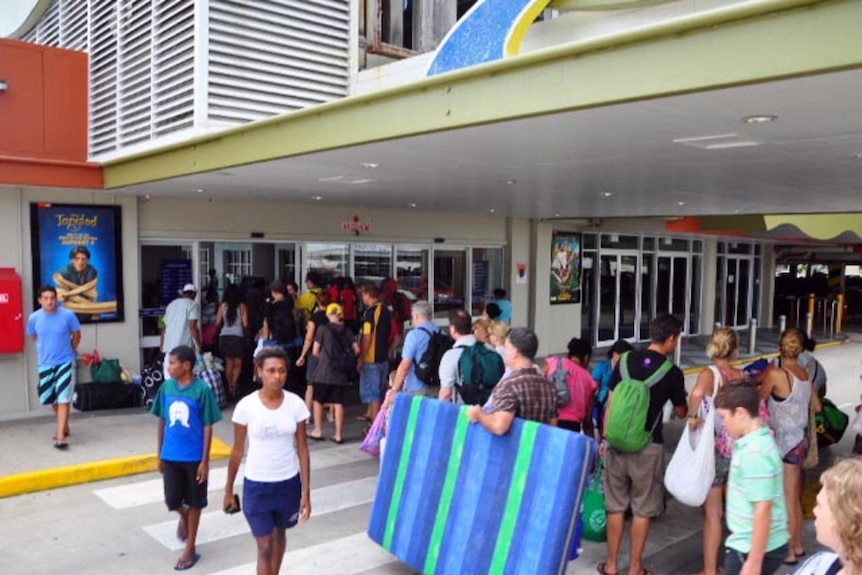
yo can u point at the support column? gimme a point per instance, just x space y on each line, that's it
708 293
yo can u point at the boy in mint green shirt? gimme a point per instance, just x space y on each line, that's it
756 512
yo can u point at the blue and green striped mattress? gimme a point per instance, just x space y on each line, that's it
453 498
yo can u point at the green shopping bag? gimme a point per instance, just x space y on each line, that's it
831 424
594 515
106 371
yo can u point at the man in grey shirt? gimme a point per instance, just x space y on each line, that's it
181 324
460 328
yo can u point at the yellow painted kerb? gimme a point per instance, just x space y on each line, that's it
44 479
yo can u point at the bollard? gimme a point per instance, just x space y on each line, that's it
809 323
825 317
782 323
840 320
834 319
752 336
677 353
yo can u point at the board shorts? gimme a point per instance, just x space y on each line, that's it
57 383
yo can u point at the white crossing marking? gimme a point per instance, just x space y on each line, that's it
351 554
217 525
152 491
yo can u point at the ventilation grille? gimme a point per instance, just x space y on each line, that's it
266 57
272 56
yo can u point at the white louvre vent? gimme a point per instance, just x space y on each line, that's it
271 56
265 57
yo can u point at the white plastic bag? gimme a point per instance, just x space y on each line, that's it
691 471
856 426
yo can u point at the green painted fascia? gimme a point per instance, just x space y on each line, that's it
741 44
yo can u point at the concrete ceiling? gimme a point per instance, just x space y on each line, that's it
614 161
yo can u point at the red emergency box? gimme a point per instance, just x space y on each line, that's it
11 312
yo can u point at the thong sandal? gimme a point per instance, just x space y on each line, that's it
186 563
60 445
601 569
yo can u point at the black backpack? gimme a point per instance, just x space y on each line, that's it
427 370
343 358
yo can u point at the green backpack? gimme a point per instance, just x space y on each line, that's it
479 371
625 423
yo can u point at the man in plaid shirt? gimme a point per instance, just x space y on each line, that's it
524 393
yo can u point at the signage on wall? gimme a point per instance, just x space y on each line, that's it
355 225
565 268
175 274
77 248
521 273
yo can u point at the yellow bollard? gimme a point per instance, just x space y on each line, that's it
840 319
809 324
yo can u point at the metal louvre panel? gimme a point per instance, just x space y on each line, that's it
173 66
73 25
48 30
271 56
135 57
103 76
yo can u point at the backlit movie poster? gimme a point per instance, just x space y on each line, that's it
565 268
77 249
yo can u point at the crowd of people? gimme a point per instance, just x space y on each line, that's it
761 427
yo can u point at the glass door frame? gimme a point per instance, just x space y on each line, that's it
749 312
619 254
686 311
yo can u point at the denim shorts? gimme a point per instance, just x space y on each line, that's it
268 505
372 381
772 560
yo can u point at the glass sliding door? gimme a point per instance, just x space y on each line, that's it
450 281
328 260
618 297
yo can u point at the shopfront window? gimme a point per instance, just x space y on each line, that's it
487 276
411 269
328 260
450 281
372 263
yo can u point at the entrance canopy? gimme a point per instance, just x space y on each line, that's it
747 110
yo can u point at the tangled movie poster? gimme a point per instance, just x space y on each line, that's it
565 268
78 250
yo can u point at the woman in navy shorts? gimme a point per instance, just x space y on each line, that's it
277 483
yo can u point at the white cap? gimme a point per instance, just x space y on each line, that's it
189 288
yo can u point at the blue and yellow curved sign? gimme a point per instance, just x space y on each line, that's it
494 29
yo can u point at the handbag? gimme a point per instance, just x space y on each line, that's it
831 424
106 371
812 458
594 515
371 444
691 470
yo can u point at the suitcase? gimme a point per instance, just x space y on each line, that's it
93 396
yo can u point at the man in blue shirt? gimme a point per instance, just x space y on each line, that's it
415 345
504 305
57 334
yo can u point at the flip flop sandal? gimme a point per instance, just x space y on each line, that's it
316 438
338 441
601 569
186 563
60 445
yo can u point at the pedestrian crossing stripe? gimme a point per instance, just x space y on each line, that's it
146 492
217 525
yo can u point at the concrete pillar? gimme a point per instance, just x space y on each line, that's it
432 19
709 295
767 288
518 240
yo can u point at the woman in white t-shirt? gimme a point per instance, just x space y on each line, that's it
277 483
838 522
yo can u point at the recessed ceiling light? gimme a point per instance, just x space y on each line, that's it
759 119
511 182
557 215
857 156
200 190
316 198
491 210
413 205
607 194
680 203
369 165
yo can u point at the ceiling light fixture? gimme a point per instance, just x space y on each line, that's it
200 190
857 156
557 215
680 203
369 165
413 205
608 194
511 182
491 210
759 119
316 198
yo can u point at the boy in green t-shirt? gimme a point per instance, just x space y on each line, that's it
756 512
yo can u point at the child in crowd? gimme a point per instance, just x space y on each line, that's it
756 511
